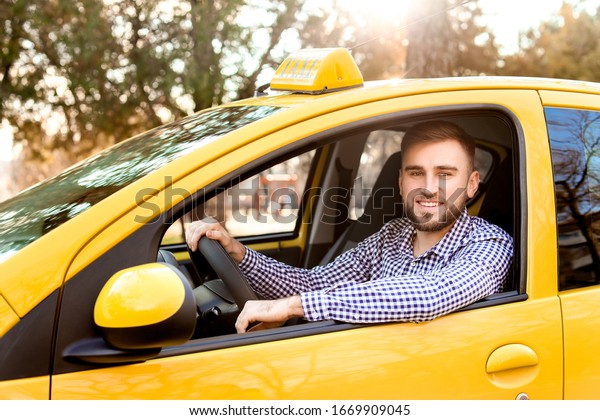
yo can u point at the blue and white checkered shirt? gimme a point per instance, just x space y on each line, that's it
381 280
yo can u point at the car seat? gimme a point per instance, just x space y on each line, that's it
384 204
497 206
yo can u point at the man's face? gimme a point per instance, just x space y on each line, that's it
436 181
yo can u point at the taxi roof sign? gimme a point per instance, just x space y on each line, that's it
317 71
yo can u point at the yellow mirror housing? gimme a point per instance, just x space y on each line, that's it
146 306
317 71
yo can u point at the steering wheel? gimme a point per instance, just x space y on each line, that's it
226 268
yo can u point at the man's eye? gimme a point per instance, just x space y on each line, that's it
416 173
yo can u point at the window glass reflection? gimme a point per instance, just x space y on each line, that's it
266 203
38 210
575 143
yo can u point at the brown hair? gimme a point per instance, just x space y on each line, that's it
436 131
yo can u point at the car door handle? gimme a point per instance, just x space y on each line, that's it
511 356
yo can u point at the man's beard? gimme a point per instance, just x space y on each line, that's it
427 222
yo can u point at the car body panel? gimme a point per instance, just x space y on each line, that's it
580 307
386 362
52 254
8 317
581 318
37 388
589 100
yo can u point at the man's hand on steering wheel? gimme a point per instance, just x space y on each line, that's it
270 313
214 230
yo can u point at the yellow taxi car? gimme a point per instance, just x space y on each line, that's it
101 299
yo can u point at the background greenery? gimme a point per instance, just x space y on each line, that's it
79 75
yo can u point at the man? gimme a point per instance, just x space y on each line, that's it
433 261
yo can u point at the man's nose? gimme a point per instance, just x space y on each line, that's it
432 184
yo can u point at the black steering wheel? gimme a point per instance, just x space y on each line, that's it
226 268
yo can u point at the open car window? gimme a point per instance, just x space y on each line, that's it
268 202
265 203
379 146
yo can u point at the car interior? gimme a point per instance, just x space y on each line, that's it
333 227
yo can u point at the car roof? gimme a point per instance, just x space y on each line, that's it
401 87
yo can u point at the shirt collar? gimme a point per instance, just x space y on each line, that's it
446 246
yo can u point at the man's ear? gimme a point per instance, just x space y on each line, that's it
473 184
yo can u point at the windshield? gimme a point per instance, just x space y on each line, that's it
36 211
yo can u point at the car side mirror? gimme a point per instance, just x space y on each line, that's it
146 307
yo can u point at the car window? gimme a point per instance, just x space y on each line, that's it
265 203
575 144
38 210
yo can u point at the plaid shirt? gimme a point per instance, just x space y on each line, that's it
380 280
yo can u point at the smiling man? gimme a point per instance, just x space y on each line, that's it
431 262
439 177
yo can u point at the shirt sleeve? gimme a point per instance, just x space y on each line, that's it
474 272
273 279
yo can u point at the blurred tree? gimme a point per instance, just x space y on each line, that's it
79 75
378 42
52 78
447 40
246 39
565 47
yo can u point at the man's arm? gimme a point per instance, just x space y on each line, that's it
284 283
274 279
477 272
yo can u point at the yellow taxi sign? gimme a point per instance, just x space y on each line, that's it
317 71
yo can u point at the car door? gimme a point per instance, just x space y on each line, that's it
574 130
506 347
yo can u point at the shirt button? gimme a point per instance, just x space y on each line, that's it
413 263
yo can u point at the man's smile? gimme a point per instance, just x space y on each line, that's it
429 203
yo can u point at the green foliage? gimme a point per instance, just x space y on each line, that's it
566 47
79 75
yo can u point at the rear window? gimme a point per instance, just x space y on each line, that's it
575 144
